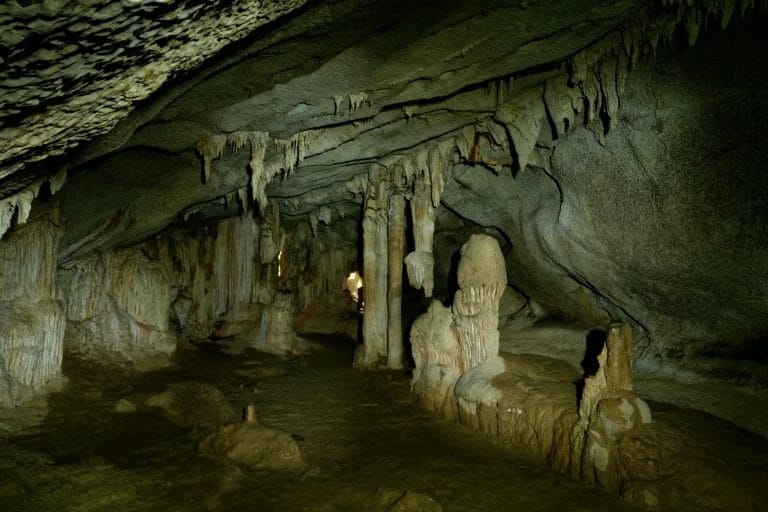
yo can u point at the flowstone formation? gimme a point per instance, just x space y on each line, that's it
32 317
530 400
456 350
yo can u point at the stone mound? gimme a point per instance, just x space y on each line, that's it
191 404
254 446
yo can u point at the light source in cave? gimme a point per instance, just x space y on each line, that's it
280 263
353 283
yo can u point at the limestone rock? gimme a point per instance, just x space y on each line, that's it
191 404
254 446
482 278
415 502
436 355
456 350
384 499
275 333
124 406
32 316
511 303
119 307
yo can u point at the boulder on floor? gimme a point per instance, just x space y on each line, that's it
254 446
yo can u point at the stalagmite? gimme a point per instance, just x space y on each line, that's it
275 333
482 278
436 355
396 246
31 311
608 407
456 350
375 269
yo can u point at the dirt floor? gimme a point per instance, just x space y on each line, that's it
358 432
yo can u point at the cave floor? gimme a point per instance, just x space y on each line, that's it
357 431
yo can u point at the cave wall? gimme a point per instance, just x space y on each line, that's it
661 221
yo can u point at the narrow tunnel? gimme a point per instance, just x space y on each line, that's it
382 256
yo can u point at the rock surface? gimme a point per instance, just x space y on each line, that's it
192 404
254 446
32 317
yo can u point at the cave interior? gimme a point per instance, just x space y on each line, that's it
383 255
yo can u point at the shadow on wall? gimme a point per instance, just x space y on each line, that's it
595 342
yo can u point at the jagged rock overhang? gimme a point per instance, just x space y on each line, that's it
327 153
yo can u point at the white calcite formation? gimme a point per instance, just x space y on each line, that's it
20 204
375 268
121 302
220 281
32 318
457 349
119 307
275 333
608 407
530 400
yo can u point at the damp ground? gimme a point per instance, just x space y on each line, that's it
358 432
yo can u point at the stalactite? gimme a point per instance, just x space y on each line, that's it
20 203
420 263
271 234
296 148
211 148
242 196
350 104
523 118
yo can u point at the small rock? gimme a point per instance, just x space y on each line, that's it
124 406
415 502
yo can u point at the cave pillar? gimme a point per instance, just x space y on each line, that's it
375 269
396 246
420 263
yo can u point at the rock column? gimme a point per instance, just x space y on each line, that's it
375 269
396 246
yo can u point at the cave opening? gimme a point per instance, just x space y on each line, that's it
366 255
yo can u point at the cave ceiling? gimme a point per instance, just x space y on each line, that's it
127 97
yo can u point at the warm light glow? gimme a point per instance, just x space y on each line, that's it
279 263
353 283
